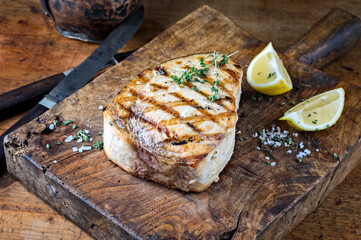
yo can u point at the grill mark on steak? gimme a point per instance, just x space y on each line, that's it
140 116
233 75
151 103
178 119
205 94
169 108
199 118
156 104
194 138
158 86
207 78
222 87
192 120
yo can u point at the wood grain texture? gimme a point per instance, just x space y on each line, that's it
337 33
29 218
282 22
257 200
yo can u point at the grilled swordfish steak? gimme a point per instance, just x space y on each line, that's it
175 123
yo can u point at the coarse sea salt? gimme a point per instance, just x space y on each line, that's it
274 138
51 126
317 150
303 153
86 148
267 158
273 163
100 107
75 149
69 138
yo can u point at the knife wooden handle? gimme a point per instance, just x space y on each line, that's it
33 90
22 98
329 39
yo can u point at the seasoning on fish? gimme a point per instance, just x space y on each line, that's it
175 123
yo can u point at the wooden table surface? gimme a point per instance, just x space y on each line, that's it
30 49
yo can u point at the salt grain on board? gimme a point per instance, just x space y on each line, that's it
69 139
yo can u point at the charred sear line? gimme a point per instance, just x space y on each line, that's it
158 86
208 116
194 128
232 74
123 120
179 143
222 87
179 103
199 118
156 104
126 99
206 95
192 103
195 138
142 78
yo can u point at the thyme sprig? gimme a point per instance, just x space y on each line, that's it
195 74
191 75
214 88
99 145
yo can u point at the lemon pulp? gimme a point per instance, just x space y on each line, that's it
318 112
267 74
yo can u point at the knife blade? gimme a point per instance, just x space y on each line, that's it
23 98
82 74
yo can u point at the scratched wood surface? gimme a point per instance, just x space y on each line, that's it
337 217
252 200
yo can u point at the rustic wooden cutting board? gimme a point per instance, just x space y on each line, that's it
252 199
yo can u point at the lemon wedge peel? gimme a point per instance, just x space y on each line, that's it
272 77
296 116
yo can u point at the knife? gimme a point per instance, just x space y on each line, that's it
82 74
25 97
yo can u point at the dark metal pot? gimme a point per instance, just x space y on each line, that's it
88 20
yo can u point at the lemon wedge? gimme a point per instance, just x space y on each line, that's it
317 113
266 73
